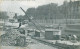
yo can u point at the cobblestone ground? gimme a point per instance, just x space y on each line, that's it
33 45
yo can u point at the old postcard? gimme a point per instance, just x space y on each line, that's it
39 24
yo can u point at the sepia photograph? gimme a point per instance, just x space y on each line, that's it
39 24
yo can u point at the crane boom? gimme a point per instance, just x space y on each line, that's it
22 9
25 14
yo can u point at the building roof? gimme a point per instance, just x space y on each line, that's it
52 30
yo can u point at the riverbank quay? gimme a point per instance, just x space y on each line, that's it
57 44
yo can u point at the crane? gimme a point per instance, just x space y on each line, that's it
30 20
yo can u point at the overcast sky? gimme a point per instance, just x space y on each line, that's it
14 6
